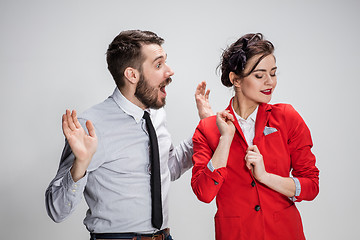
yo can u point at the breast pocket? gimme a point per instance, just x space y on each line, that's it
275 153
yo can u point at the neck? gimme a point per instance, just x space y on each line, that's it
129 94
243 107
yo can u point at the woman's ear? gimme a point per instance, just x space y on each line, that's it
234 79
132 75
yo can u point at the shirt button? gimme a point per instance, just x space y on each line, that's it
253 183
257 208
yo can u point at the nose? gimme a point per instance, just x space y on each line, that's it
269 80
169 71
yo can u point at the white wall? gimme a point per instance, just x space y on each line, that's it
52 57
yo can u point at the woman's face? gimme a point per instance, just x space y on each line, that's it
260 84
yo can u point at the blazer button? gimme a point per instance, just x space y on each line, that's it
257 208
253 183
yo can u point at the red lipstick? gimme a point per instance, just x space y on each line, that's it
267 91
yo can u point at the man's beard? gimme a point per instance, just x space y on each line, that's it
149 95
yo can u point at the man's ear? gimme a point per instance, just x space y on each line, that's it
234 79
132 75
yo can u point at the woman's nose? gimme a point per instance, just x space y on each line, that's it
269 80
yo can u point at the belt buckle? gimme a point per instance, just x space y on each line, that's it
155 236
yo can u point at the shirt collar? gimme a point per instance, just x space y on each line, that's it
251 117
127 106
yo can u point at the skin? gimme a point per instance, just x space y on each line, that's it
156 75
249 93
202 101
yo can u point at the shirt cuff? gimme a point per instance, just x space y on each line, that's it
210 166
297 188
74 187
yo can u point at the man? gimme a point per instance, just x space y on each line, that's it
112 163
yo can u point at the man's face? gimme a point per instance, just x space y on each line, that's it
155 76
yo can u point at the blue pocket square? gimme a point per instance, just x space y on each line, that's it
269 130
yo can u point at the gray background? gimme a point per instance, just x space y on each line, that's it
52 57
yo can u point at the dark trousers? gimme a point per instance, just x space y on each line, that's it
130 236
138 237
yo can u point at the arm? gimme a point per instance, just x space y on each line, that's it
206 183
302 159
255 162
180 157
65 190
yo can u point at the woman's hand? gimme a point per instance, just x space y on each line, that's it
254 161
224 122
202 101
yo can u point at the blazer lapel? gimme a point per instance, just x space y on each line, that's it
236 123
262 118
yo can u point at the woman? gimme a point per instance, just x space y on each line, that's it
255 158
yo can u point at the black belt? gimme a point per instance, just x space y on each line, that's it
163 234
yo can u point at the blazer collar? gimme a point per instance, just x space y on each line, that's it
262 117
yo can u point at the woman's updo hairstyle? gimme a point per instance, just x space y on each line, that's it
234 58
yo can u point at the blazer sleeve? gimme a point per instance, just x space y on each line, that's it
302 159
204 182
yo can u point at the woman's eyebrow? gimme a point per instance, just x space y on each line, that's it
264 70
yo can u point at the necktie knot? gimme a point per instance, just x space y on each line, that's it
146 115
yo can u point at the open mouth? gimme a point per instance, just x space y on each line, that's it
162 89
267 91
164 84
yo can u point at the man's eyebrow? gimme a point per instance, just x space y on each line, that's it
159 57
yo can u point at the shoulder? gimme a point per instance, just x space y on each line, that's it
100 113
207 128
208 122
284 109
289 116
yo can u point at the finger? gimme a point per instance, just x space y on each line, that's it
223 115
256 149
228 116
207 94
90 128
70 120
65 126
64 123
251 148
200 89
75 120
249 165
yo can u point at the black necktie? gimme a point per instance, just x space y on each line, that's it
155 181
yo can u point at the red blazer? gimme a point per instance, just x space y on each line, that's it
248 209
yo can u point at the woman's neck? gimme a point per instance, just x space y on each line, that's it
243 107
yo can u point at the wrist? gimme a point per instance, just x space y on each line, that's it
226 138
264 178
78 171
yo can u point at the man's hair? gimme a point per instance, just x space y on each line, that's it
125 51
